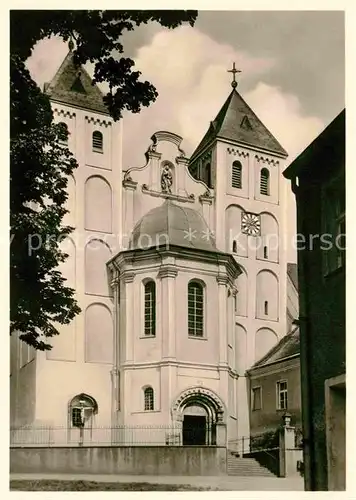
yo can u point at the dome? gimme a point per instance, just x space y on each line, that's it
174 225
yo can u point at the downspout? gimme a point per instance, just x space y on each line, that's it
304 322
115 403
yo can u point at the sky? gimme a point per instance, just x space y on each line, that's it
292 75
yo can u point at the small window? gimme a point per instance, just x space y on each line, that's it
264 182
265 252
150 308
256 398
82 409
234 246
97 141
282 395
195 309
236 181
148 399
266 307
64 141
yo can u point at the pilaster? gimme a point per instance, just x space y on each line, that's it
167 274
127 310
182 165
128 217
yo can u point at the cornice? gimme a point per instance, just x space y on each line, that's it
222 279
64 112
98 121
168 271
170 196
269 161
237 152
129 184
127 276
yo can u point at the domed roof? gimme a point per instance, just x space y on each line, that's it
174 225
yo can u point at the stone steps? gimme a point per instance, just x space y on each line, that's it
247 467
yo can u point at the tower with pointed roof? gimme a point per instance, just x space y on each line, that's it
75 378
242 163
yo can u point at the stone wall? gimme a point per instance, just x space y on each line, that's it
148 460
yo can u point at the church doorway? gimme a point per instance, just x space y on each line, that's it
198 427
199 410
194 430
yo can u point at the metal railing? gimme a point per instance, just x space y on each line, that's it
267 441
95 436
149 435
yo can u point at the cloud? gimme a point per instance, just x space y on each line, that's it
282 114
47 56
189 70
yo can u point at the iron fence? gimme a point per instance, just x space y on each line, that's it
246 445
95 436
149 435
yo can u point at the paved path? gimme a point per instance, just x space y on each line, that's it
230 483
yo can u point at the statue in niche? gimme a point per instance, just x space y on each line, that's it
166 179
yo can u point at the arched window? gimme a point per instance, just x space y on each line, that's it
148 399
150 308
97 141
195 309
65 126
266 307
264 182
82 409
234 246
236 180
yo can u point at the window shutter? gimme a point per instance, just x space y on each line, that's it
97 141
236 175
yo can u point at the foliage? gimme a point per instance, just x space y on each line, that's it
40 165
267 440
79 485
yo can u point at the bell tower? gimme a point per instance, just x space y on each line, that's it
242 162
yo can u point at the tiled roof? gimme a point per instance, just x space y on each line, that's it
237 122
286 347
292 271
72 85
175 224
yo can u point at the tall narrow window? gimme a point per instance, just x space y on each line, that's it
148 399
256 398
97 141
236 180
264 182
265 252
266 308
234 246
63 140
195 309
150 308
282 395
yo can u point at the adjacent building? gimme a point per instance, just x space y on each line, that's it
318 181
275 388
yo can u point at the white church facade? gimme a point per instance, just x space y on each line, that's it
180 269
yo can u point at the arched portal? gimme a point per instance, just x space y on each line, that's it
199 410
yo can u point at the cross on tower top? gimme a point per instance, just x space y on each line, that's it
234 71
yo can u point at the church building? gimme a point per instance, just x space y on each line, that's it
180 270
